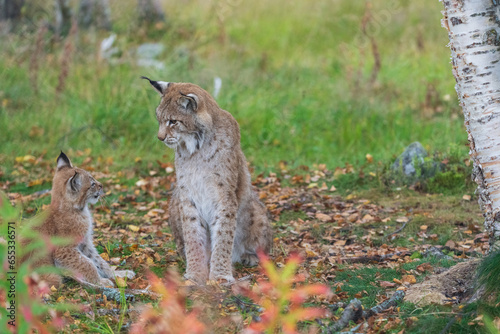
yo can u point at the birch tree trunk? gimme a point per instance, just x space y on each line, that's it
474 31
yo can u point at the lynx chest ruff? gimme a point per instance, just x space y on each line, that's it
196 184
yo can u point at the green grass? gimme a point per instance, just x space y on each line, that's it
297 79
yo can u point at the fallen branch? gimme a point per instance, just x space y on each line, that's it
391 302
374 258
115 294
352 312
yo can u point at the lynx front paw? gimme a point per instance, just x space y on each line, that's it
107 282
249 260
125 273
197 279
222 278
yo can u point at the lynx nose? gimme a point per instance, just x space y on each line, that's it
160 138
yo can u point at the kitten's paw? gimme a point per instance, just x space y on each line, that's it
107 282
125 273
249 260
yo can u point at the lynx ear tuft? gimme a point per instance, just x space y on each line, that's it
189 101
160 86
63 161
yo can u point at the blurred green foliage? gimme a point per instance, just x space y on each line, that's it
298 76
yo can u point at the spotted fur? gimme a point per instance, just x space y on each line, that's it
69 217
215 215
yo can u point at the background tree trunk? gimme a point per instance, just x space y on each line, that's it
94 13
62 17
10 9
150 11
474 31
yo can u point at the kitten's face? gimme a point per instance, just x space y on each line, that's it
75 185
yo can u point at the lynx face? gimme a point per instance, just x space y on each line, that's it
182 115
75 185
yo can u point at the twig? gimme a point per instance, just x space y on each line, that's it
76 131
453 320
352 330
373 258
242 279
449 324
393 301
398 230
114 311
352 312
115 294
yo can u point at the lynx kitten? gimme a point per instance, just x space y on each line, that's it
215 216
69 217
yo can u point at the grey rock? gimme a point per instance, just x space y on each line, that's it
413 155
437 253
413 165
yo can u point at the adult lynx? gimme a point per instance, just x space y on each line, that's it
215 216
69 217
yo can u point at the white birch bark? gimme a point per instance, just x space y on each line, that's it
474 31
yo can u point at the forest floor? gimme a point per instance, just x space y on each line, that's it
366 245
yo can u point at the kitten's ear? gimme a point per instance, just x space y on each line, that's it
63 161
75 182
160 86
189 102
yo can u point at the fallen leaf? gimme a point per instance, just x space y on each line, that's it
450 243
323 217
386 284
133 228
120 282
409 279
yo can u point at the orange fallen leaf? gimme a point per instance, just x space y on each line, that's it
386 284
323 217
410 279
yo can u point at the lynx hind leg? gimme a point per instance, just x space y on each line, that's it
255 233
52 279
175 223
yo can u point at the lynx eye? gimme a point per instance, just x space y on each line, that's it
92 184
171 122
